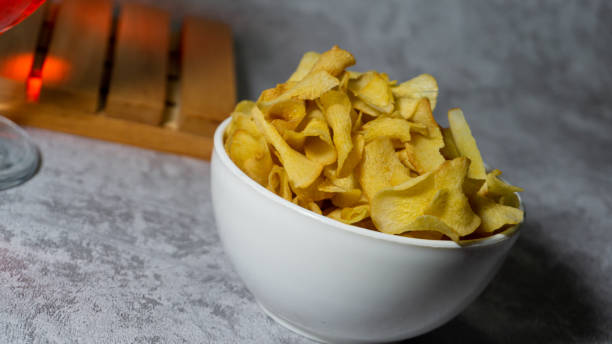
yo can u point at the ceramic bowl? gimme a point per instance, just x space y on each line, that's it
339 283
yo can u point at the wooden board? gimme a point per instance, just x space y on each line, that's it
102 127
17 48
142 84
138 80
208 91
72 72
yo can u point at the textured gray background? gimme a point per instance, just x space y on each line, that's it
113 244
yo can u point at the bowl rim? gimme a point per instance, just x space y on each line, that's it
219 151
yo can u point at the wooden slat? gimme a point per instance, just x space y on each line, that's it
17 49
72 71
138 80
102 127
208 89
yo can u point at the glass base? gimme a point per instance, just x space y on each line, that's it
19 157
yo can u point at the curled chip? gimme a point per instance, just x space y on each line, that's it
351 215
250 154
278 182
373 88
337 108
306 63
422 86
362 149
380 167
301 171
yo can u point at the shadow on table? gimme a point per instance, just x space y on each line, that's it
535 298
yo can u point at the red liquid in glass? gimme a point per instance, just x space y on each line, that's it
14 11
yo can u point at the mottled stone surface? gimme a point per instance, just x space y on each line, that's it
113 244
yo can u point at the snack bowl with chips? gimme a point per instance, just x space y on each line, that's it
335 282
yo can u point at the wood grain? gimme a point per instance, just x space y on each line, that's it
102 127
138 81
17 49
208 87
72 71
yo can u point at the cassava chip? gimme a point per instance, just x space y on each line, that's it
333 61
301 171
422 86
337 108
351 215
311 87
494 215
449 151
495 188
306 63
466 145
278 182
250 154
387 127
380 168
373 88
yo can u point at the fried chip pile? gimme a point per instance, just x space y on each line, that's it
364 150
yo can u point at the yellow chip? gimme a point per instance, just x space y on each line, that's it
337 108
466 145
278 182
250 154
301 171
351 215
354 157
311 87
348 198
314 139
361 106
380 168
450 204
373 88
405 107
286 115
306 63
387 127
493 215
422 86
495 188
310 205
449 151
333 61
313 192
510 200
241 121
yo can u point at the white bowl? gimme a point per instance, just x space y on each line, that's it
338 283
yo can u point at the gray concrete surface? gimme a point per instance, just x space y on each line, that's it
113 244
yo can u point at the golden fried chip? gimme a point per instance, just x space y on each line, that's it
466 145
405 107
278 182
351 215
306 63
495 188
286 115
250 154
361 106
449 151
393 208
388 127
354 156
418 87
348 198
311 87
373 88
301 171
493 215
450 204
241 121
314 139
380 168
333 61
472 186
313 192
337 108
308 204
